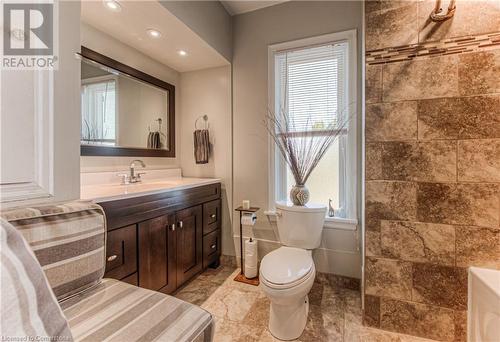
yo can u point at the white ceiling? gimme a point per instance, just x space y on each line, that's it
130 24
238 7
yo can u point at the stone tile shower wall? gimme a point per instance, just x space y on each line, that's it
432 162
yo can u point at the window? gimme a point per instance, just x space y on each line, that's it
99 111
314 80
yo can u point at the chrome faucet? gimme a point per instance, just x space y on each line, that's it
132 177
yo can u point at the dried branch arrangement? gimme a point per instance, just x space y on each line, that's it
301 148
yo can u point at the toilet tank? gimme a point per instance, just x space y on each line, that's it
300 226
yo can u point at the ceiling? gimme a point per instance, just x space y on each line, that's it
130 24
239 7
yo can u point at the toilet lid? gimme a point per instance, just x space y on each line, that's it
286 265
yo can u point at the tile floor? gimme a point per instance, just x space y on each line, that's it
241 311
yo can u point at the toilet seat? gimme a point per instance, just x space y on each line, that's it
286 267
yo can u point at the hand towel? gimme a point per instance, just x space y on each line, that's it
150 140
201 146
154 140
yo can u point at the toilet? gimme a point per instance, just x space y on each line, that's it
287 273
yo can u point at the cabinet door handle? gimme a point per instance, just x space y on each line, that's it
172 227
112 257
180 224
213 246
213 216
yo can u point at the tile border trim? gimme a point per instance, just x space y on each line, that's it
452 46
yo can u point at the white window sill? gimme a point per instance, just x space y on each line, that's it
330 222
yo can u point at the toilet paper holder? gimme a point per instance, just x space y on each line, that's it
241 276
248 219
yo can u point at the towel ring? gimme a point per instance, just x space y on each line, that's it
205 118
160 122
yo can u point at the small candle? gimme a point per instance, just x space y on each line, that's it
246 204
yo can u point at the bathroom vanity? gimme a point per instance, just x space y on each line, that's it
161 232
162 228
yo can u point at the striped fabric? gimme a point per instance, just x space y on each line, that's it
117 311
68 241
29 310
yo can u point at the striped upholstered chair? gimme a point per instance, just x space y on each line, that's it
69 242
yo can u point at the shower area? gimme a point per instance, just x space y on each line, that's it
432 161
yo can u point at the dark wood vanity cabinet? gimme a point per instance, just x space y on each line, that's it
211 216
211 248
211 233
189 243
121 252
161 241
157 254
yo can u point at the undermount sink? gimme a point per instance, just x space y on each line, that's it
105 186
144 184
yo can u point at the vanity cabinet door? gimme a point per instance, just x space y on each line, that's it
189 233
157 254
121 252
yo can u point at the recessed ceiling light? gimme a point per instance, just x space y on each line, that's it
153 33
182 53
112 5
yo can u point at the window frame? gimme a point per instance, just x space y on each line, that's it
103 79
277 165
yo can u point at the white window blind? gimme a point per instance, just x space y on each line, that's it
311 86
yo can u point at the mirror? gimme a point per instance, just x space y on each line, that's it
124 111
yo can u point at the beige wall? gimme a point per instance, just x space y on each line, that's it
139 106
208 92
432 164
106 45
208 19
252 33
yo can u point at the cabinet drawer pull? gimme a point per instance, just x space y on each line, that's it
112 257
213 216
180 224
213 246
172 227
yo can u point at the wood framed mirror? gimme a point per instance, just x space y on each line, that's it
124 111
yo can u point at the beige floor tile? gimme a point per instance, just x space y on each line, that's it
227 331
197 292
230 303
241 311
258 315
241 286
267 337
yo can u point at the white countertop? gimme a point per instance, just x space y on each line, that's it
104 192
111 192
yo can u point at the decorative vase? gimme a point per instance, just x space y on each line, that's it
299 195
